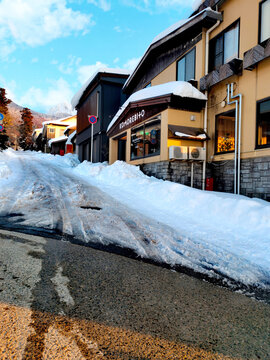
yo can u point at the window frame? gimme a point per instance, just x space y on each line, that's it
216 119
182 57
260 23
213 41
143 125
257 146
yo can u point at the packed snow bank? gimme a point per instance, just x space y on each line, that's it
237 224
213 233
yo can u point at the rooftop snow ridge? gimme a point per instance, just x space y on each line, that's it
77 97
178 88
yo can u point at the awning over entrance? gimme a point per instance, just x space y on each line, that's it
187 133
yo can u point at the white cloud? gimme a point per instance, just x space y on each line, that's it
58 91
131 63
103 4
36 22
34 60
116 60
117 29
86 71
10 87
73 62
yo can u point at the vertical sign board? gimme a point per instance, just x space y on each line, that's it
92 120
1 122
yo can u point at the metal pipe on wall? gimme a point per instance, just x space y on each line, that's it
240 96
192 174
229 102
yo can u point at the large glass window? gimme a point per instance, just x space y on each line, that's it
145 140
225 130
186 67
224 47
263 123
264 20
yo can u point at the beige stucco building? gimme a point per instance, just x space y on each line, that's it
223 51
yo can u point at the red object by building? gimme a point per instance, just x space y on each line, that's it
209 184
69 149
62 152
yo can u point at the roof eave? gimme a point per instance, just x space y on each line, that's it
210 14
94 83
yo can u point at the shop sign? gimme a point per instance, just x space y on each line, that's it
132 119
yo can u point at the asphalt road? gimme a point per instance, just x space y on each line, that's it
64 301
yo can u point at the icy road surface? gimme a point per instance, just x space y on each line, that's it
42 191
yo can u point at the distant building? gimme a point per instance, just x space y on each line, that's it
37 139
55 129
101 96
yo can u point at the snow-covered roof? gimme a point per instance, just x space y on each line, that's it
71 136
36 131
77 97
178 88
59 121
170 31
58 139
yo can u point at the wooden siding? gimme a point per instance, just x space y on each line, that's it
258 53
89 107
225 71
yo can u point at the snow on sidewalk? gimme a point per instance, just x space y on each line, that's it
232 232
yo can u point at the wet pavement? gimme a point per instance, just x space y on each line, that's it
59 300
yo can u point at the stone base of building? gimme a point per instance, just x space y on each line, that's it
255 175
176 171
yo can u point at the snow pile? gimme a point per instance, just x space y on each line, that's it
212 233
224 223
5 171
178 88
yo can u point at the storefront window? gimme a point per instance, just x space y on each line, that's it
225 130
264 20
145 140
263 123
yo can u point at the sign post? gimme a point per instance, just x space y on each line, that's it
1 122
92 120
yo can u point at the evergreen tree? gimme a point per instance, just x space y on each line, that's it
26 129
4 101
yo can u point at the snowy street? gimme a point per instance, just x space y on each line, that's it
64 301
118 208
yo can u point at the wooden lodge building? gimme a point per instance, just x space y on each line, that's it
100 96
198 107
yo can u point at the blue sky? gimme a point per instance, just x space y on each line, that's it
49 48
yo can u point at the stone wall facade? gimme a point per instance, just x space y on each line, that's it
255 175
176 171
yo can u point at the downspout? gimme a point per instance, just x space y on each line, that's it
240 96
206 93
229 102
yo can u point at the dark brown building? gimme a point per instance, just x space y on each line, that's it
101 96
